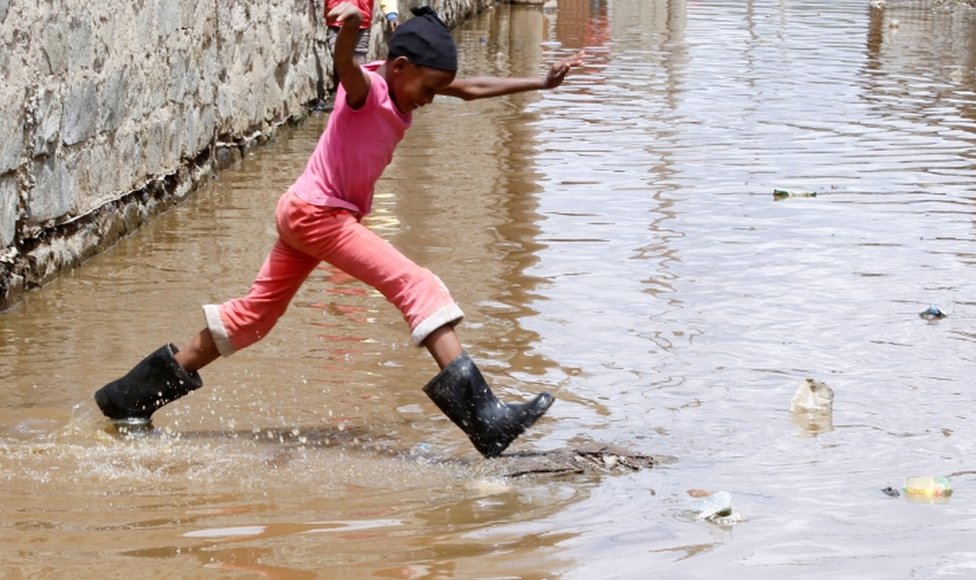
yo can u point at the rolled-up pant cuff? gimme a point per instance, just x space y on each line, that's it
450 314
218 331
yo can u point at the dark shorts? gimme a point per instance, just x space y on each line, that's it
362 42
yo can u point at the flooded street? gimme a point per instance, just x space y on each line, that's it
616 242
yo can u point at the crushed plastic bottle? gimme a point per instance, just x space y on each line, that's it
927 489
716 505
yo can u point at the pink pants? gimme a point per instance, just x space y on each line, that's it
309 235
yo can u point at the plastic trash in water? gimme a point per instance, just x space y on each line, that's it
812 396
926 489
779 194
933 312
812 407
714 506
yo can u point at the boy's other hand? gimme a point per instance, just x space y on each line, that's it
559 69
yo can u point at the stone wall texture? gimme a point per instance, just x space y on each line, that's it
113 110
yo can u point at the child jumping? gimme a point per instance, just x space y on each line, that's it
319 219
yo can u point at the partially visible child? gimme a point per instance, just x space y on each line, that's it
319 219
389 9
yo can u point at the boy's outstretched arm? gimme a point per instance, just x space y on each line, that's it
482 87
351 76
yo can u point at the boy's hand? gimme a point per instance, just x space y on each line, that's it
557 72
346 11
483 87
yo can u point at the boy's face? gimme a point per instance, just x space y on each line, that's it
412 86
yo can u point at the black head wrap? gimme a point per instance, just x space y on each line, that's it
425 40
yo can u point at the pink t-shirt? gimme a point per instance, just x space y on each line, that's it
355 148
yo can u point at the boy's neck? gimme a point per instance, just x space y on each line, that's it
382 70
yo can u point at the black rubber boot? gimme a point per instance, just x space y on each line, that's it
462 394
158 379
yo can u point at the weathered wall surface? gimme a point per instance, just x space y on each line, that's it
113 110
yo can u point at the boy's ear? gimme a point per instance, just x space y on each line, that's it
400 64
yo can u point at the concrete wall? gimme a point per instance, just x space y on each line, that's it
113 110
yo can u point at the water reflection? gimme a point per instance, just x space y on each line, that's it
487 206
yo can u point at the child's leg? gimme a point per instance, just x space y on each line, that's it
198 352
444 345
239 323
243 321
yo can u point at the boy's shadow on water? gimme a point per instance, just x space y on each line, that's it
581 456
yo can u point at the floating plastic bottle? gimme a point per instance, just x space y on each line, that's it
928 489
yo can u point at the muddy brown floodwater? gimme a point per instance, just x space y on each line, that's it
616 242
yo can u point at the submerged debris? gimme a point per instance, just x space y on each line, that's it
586 458
779 194
581 459
891 492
